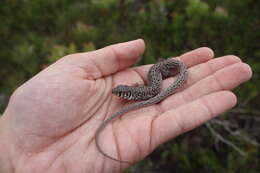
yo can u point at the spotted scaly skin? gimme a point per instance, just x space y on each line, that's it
150 94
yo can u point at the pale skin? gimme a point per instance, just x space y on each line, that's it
50 121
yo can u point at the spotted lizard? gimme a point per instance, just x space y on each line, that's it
147 95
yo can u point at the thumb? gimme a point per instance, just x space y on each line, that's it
110 59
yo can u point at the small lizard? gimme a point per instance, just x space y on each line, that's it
149 95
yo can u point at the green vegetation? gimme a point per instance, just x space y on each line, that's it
34 34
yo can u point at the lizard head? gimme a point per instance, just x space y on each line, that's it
123 91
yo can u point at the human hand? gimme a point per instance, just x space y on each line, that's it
50 122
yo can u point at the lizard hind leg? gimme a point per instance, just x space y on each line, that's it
169 72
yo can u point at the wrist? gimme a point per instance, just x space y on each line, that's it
5 157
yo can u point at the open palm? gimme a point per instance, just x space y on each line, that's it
50 122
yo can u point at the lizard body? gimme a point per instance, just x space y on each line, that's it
149 95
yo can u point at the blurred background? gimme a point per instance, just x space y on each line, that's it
36 33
